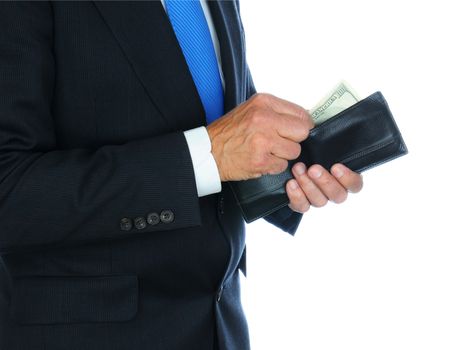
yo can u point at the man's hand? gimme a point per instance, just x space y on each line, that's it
258 137
316 186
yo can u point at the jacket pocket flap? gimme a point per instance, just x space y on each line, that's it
50 300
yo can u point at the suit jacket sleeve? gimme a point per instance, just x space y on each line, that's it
54 196
284 218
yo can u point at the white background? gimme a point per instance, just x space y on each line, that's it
388 269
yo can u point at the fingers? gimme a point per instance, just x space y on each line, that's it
267 163
293 128
297 199
277 166
328 184
316 186
311 191
285 107
285 149
349 179
288 119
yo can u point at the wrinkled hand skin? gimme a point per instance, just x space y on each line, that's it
258 137
316 186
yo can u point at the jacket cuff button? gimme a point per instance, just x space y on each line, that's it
153 218
126 224
140 223
167 216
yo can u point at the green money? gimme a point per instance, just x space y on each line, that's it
340 98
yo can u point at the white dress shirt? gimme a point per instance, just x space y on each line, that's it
204 165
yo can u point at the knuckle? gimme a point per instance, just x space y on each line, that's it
296 196
320 203
261 98
300 130
326 181
253 99
305 115
341 197
258 143
308 120
304 132
258 163
295 150
278 167
257 118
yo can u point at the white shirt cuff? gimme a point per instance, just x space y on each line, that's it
204 165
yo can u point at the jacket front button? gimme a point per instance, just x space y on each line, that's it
126 224
140 223
153 218
167 216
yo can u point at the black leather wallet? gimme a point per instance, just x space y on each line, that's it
360 137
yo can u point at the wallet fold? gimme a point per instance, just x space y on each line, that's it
361 137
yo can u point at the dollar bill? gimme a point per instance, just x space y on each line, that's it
340 98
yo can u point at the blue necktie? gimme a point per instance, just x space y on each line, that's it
193 34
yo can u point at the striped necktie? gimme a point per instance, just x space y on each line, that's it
192 32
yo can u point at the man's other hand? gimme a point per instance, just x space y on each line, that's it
316 186
258 137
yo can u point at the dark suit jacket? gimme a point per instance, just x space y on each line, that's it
104 242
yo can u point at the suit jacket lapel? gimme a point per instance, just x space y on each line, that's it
146 36
232 45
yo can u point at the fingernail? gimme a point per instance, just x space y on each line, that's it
315 172
338 171
300 169
293 184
